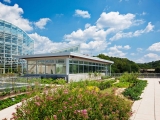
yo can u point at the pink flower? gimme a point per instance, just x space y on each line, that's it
60 110
37 103
55 117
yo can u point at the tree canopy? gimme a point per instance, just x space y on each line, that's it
121 65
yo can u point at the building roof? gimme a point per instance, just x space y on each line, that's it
70 54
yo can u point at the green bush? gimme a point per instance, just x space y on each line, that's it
129 77
106 84
136 90
66 104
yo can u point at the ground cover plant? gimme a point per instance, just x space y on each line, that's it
11 101
134 92
78 104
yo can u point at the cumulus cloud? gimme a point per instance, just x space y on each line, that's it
116 51
155 47
13 14
127 47
148 57
82 13
116 20
121 34
43 44
41 23
8 1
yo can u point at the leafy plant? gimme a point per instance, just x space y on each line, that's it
136 90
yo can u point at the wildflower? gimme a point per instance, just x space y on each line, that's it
64 107
59 110
55 117
37 103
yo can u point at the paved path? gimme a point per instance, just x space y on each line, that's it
7 113
148 108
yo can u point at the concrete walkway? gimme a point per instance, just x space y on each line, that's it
148 108
7 113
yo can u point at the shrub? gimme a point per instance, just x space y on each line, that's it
129 77
106 84
136 90
65 104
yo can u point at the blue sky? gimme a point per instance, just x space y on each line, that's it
120 28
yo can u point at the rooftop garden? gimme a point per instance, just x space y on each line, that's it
106 99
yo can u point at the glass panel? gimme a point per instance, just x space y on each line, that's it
81 69
40 69
75 61
31 61
74 68
80 62
90 68
70 68
31 69
86 68
60 69
60 61
50 68
86 63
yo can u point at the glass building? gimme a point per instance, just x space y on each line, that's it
70 65
13 41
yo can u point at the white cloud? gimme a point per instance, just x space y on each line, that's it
151 55
116 51
8 1
116 20
148 58
155 47
82 13
42 22
139 49
44 44
13 14
127 47
121 34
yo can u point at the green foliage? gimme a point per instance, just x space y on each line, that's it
121 65
123 85
66 104
106 84
136 90
10 101
129 77
60 81
105 77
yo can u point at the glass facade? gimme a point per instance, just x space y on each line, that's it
78 66
47 66
58 66
13 41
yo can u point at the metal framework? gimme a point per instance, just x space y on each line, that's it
13 41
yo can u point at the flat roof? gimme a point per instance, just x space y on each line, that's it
62 54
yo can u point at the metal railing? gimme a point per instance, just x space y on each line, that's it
140 75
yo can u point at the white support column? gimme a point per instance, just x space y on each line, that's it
67 68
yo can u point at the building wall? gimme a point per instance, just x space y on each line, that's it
83 76
13 41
